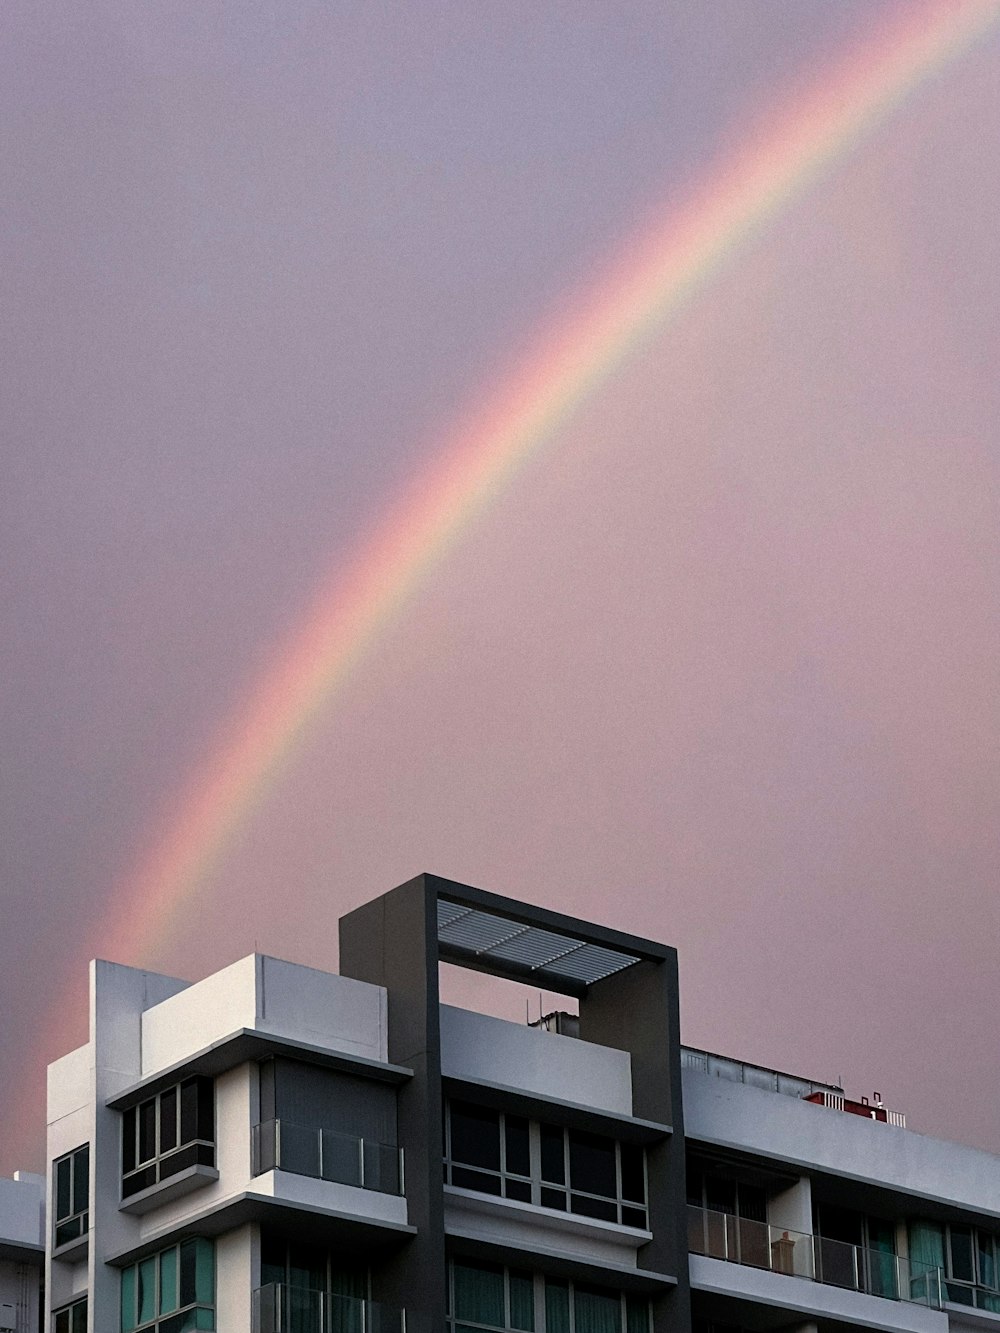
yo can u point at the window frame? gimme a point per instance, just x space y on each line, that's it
537 1182
72 1313
132 1323
540 1285
165 1162
76 1213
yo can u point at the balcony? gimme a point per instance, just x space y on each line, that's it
278 1308
815 1258
324 1154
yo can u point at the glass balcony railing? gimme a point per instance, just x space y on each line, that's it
798 1254
326 1155
278 1308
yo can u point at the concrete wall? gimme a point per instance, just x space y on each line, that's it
22 1202
268 995
21 1223
814 1137
477 1047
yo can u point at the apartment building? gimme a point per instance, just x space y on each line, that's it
285 1150
22 1252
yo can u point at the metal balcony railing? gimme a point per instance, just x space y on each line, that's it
326 1155
280 1308
799 1254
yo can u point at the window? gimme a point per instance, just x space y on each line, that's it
72 1318
968 1256
72 1191
171 1292
496 1152
309 1289
489 1296
572 1307
167 1134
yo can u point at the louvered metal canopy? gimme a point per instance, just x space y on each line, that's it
506 946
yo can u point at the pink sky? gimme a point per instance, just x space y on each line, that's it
719 667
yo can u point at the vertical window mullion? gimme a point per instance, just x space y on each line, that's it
535 1162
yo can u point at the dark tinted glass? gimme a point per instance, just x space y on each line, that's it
63 1187
518 1153
553 1199
961 1253
62 1322
583 1204
475 1136
720 1195
179 1160
553 1163
518 1189
273 1253
79 1321
186 1285
483 1181
633 1176
81 1178
128 1139
147 1130
138 1180
592 1163
634 1217
753 1203
168 1120
206 1109
189 1111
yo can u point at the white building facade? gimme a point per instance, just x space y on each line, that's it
277 1149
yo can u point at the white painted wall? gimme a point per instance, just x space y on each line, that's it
491 1050
267 995
22 1222
807 1136
237 1274
327 1195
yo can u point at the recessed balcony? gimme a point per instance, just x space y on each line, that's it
833 1263
280 1308
324 1154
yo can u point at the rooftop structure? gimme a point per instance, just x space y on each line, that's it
277 1149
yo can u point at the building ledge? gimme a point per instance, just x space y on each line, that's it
246 1044
306 1221
472 1243
22 1252
470 1204
74 1250
503 1096
174 1187
756 1287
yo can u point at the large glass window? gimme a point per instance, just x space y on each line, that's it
167 1134
309 1289
171 1292
72 1193
968 1256
71 1318
496 1152
489 1296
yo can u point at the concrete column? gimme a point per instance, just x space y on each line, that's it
791 1211
234 1280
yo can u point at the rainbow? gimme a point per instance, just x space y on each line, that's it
661 272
